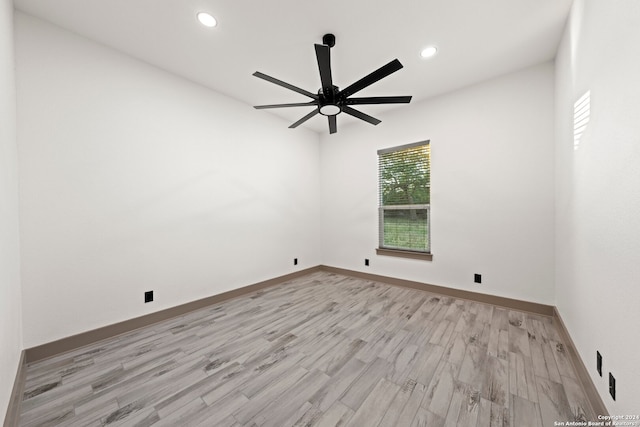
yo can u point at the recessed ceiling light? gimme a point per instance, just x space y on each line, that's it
206 19
428 52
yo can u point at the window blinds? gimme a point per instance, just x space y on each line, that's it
404 190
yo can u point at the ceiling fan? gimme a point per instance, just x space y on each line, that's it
330 100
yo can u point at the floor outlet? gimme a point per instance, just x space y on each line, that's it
612 386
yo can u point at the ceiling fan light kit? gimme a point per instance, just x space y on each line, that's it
330 110
330 100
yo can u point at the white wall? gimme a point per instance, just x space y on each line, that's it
491 193
10 299
130 182
133 179
598 188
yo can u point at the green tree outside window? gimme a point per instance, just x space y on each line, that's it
405 199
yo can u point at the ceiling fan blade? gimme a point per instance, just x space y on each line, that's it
333 124
323 54
370 79
297 104
285 85
304 119
360 115
379 100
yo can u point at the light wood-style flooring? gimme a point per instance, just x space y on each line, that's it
321 350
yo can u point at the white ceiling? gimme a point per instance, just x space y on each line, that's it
477 40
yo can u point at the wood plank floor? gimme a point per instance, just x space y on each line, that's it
321 350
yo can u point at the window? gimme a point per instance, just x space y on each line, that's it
404 212
581 114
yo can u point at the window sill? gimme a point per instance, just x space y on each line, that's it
405 254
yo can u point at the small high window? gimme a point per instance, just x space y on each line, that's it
581 115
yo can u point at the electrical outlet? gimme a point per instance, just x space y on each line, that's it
295 261
148 296
477 278
366 262
599 362
612 386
